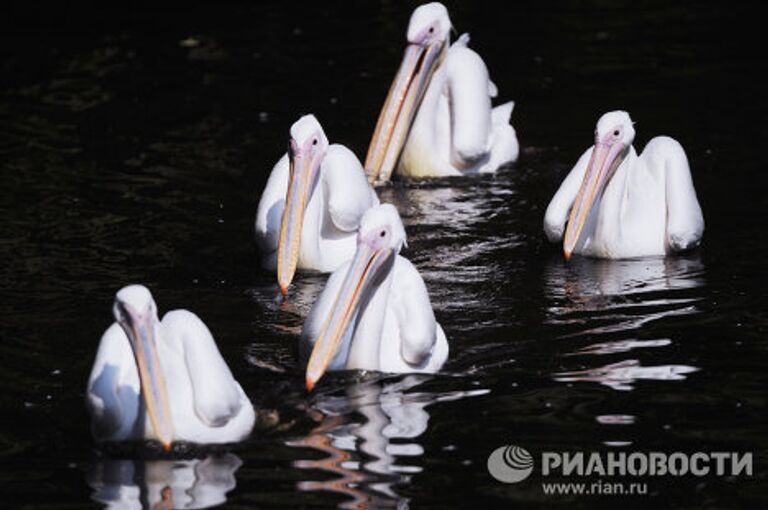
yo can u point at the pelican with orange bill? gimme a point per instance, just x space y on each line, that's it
163 380
437 119
374 312
616 204
311 206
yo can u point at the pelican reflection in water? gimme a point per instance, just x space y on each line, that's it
610 300
370 457
127 484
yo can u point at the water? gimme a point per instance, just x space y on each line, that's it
133 145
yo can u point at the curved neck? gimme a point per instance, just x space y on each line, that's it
424 124
313 221
364 351
616 192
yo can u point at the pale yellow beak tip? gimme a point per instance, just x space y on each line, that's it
310 384
167 446
567 254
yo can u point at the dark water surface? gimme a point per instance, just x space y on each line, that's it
134 145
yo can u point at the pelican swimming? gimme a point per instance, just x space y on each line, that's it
374 313
163 380
437 119
617 204
311 207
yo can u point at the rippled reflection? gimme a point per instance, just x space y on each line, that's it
289 312
622 376
163 484
279 321
455 241
620 295
369 436
621 346
611 300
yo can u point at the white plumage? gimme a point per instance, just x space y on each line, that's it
616 204
326 193
438 119
457 131
184 370
374 313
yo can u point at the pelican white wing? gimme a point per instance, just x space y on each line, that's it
163 380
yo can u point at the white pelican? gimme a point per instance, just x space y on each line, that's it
374 313
437 119
311 207
163 380
621 205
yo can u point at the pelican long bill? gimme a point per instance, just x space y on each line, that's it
604 161
363 271
405 94
301 176
141 333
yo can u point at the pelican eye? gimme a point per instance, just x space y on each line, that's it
431 30
383 233
314 141
616 133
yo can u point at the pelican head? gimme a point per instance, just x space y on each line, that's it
613 138
380 237
306 149
428 40
136 312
